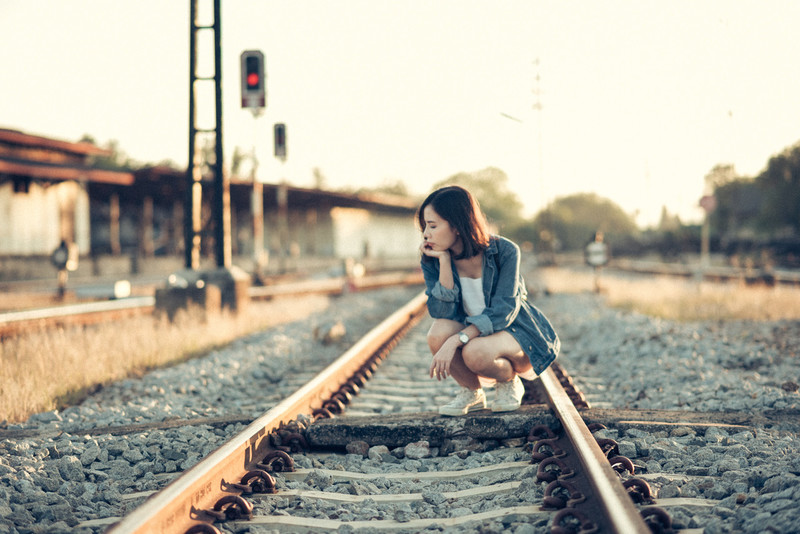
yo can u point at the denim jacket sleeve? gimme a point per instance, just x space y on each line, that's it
502 288
443 303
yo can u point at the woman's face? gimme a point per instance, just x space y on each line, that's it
438 233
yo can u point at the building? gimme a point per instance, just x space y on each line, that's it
132 222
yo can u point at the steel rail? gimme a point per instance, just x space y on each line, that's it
335 285
75 309
622 515
179 506
83 313
715 273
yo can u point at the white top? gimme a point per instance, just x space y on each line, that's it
472 295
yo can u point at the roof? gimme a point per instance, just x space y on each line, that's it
20 160
45 171
297 196
15 137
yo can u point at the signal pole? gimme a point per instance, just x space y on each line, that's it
254 98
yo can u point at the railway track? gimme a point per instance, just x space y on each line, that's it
750 276
386 462
83 314
362 436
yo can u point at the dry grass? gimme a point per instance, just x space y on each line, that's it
680 299
47 370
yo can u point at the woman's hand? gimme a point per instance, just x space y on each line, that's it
428 250
440 366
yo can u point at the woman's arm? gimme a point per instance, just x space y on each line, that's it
446 272
442 301
445 265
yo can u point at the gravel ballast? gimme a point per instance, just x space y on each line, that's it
66 477
631 361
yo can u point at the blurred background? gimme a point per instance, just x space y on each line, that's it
670 127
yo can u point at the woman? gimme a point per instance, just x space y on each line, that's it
484 328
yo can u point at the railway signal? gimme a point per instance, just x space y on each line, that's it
280 141
254 80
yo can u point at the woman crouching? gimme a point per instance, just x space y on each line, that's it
484 328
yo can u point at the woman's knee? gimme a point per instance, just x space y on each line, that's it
476 356
440 331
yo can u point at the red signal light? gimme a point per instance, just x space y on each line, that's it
252 80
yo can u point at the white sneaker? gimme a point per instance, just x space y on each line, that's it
467 400
508 395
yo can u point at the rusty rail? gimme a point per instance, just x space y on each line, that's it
180 505
621 514
335 286
85 313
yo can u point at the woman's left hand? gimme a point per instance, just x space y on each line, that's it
440 366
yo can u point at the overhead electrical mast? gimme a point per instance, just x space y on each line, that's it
221 200
192 284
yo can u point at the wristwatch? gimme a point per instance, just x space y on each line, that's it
463 338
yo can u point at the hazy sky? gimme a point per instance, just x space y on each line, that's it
639 99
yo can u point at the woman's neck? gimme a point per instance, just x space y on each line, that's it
470 267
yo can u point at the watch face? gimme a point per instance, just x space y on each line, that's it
464 338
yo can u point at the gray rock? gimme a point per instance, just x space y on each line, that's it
360 448
46 417
71 469
417 450
378 452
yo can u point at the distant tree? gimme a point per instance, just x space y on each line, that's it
116 160
719 175
398 188
570 222
490 186
780 187
668 222
738 207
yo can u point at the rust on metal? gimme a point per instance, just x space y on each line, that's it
621 464
553 468
561 494
622 515
231 507
546 448
639 490
277 462
657 519
256 481
570 521
171 509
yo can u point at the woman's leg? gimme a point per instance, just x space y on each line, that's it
437 335
497 356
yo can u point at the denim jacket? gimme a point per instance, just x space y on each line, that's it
507 306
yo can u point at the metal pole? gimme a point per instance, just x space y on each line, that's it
189 245
222 219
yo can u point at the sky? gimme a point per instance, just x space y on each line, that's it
633 100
